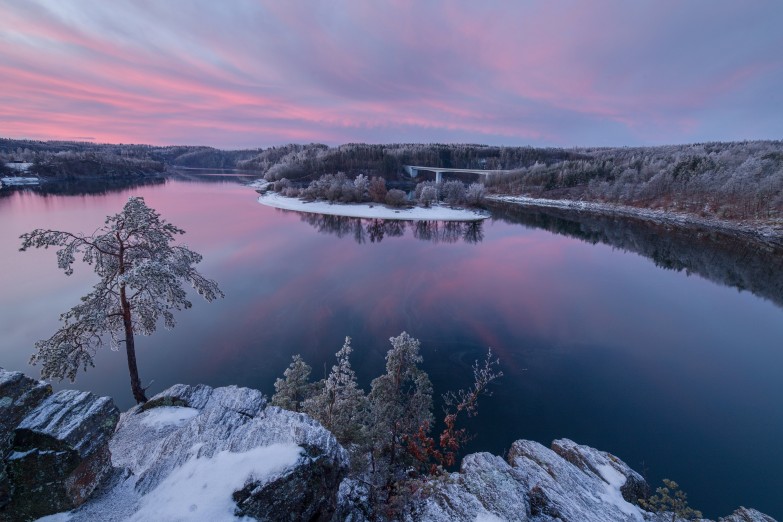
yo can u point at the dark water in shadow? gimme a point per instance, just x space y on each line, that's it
673 370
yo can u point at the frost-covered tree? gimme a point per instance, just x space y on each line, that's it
141 277
400 400
361 183
295 387
453 192
475 194
341 406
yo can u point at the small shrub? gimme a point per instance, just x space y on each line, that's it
395 198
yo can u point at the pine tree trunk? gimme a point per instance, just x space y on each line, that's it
130 345
130 349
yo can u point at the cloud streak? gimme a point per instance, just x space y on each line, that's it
265 73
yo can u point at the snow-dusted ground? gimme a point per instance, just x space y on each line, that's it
10 182
769 232
370 211
200 489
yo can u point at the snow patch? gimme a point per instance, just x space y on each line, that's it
612 495
201 489
167 416
19 181
368 211
486 516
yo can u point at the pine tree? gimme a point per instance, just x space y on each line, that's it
341 406
670 499
295 387
400 400
141 277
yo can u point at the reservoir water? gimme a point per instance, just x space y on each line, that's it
661 346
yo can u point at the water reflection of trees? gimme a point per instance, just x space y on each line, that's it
720 257
375 230
97 186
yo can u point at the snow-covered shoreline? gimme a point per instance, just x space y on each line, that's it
766 232
371 211
18 181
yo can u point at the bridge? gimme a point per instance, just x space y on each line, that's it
413 171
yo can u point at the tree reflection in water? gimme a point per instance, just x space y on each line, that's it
375 230
724 258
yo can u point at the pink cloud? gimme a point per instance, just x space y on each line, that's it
267 73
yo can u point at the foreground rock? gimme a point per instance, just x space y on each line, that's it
208 454
567 483
198 453
55 446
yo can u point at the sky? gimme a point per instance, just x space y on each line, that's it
244 73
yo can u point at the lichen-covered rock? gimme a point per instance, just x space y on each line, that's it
60 453
186 425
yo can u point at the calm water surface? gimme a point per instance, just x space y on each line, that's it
677 375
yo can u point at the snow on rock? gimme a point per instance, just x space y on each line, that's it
537 483
201 488
372 211
167 416
744 514
284 465
60 448
617 475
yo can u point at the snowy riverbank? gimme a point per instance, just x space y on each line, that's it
18 181
762 231
371 211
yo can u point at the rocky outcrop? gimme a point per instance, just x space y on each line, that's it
55 446
201 453
197 427
744 514
567 482
535 483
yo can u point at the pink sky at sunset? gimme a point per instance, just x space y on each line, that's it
255 74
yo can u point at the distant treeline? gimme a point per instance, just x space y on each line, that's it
741 180
310 162
72 160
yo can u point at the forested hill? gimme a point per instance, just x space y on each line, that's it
72 159
732 181
736 181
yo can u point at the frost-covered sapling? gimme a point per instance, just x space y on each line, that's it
670 499
141 277
295 387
